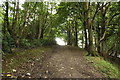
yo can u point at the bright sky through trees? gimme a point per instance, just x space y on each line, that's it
60 41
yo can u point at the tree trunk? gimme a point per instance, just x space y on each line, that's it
15 20
40 26
6 24
98 37
69 35
102 31
85 32
90 34
76 34
25 19
85 28
14 25
42 32
82 39
43 27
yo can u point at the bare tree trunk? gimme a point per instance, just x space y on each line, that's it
98 37
6 21
43 27
69 35
42 32
82 39
90 34
25 19
85 28
16 18
102 30
76 34
6 25
14 25
104 23
85 32
40 26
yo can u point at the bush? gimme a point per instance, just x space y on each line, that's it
7 44
35 43
47 42
6 47
43 42
24 43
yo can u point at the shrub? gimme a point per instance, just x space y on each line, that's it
7 44
6 47
24 43
35 43
47 42
43 42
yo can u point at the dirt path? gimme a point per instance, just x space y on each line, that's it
62 62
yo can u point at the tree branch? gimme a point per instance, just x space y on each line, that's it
95 12
113 16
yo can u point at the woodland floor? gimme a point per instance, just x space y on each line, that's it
60 62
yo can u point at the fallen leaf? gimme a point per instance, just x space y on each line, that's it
45 77
28 74
14 70
62 67
29 77
37 59
32 64
47 71
9 75
23 75
71 68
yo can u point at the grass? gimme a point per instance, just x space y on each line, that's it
109 70
11 61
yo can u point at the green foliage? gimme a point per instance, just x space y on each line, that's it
7 44
36 43
6 47
48 42
25 43
43 42
108 69
110 41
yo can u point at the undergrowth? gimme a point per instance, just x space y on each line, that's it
109 70
11 61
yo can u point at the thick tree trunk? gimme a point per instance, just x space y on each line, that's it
6 21
104 23
85 32
102 32
85 28
6 26
90 34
